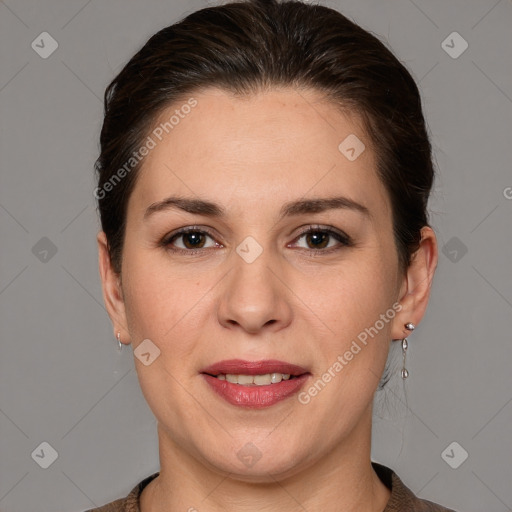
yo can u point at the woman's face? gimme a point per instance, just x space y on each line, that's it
248 284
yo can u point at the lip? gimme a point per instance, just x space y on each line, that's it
240 366
255 397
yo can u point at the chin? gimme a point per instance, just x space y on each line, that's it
257 466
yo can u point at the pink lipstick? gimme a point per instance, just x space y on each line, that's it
263 383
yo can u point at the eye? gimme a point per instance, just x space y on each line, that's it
192 240
318 238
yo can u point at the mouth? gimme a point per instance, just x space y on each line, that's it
255 384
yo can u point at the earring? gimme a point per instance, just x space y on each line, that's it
410 327
120 345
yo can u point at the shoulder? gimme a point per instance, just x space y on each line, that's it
128 504
402 499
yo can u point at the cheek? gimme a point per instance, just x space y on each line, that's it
167 306
357 308
351 296
154 301
356 304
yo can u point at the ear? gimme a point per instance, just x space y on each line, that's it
416 283
112 290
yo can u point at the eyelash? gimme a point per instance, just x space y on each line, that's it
341 237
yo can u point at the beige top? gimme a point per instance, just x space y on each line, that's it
401 499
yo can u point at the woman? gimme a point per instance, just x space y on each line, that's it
263 183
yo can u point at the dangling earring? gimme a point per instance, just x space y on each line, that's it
120 345
410 327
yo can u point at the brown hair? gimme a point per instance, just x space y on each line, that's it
247 46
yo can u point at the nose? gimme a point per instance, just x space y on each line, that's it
254 296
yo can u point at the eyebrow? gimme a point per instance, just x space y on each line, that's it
210 209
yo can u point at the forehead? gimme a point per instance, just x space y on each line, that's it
265 148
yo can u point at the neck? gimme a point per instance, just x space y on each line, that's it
341 480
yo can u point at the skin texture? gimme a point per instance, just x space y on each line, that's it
293 302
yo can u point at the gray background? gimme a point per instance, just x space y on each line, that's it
62 379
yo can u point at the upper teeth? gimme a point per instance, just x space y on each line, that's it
259 380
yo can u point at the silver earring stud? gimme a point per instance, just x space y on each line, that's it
410 326
120 345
